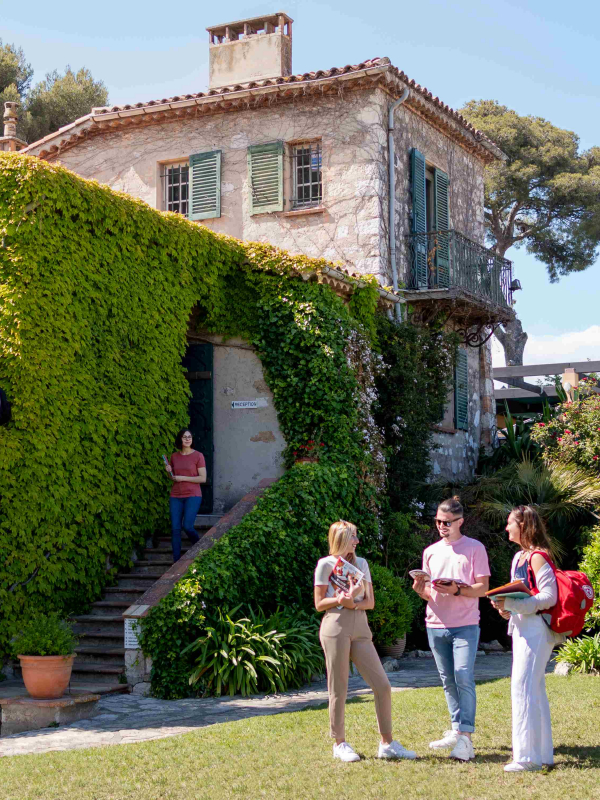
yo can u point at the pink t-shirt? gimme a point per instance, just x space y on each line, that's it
187 466
464 560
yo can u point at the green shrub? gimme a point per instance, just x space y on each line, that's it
45 635
257 653
393 612
591 566
583 653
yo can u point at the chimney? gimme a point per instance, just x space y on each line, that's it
10 142
250 50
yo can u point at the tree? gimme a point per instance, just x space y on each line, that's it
61 99
53 102
546 196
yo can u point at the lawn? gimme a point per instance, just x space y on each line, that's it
289 756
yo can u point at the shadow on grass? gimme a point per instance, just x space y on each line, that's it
579 757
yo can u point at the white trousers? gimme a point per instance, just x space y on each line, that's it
531 727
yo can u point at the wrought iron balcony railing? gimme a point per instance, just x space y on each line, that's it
447 259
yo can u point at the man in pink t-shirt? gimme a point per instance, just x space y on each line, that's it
459 571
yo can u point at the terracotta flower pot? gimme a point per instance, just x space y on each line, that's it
395 650
46 677
307 460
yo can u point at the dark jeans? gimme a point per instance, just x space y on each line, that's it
183 515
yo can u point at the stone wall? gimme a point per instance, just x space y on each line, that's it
352 227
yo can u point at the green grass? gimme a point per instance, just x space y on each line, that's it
289 756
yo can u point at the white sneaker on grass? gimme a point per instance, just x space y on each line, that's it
447 742
522 766
394 750
344 752
463 749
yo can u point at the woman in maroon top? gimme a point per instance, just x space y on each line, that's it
187 469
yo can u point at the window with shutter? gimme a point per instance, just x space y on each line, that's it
205 185
265 177
419 219
441 214
461 391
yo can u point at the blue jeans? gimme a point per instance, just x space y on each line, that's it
183 514
454 650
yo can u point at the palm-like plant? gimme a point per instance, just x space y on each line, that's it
566 497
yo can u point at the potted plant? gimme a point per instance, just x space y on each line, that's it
308 453
390 619
46 649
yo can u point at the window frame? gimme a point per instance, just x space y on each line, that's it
297 204
163 169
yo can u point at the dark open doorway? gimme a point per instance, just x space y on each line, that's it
198 365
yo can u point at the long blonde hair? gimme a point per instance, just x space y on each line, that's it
340 535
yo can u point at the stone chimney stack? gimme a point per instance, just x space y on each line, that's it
250 50
10 142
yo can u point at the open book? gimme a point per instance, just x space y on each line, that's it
516 589
416 573
339 577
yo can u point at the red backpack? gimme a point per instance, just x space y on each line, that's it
575 598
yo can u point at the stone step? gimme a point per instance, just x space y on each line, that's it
142 576
143 567
90 685
159 554
98 672
162 550
101 639
97 619
138 583
110 590
101 604
100 654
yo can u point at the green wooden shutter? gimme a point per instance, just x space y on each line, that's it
419 219
205 185
441 215
265 177
461 391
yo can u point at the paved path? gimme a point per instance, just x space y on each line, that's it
131 718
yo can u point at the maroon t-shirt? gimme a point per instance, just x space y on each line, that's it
188 466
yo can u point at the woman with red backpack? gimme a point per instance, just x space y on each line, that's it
533 640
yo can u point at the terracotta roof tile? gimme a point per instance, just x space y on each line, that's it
307 76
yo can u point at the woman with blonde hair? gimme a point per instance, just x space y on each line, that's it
345 636
532 641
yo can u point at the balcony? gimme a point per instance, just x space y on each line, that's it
469 281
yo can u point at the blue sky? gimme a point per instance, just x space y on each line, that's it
536 57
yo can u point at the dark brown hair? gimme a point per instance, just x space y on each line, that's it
534 535
452 506
178 438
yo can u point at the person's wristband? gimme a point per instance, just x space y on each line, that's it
457 592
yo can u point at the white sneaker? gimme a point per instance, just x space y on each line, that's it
463 749
344 752
522 766
394 750
448 742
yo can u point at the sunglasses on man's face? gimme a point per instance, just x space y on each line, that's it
446 523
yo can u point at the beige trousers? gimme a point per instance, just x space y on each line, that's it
345 635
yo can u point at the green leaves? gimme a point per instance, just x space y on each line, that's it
45 635
583 653
256 653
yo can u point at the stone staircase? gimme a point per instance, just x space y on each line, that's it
100 656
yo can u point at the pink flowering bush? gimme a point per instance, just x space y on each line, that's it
573 436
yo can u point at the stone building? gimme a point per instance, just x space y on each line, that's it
319 164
